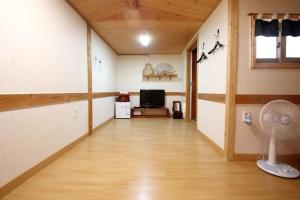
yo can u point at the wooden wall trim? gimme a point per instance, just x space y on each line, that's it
98 95
23 177
219 98
175 94
21 101
253 157
10 102
265 98
230 114
90 79
134 93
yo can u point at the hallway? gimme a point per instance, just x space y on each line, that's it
151 159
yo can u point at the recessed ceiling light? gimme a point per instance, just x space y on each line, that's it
145 39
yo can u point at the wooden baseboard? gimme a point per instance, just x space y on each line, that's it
103 124
211 143
254 157
26 175
23 177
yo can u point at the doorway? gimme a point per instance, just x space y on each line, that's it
194 85
191 96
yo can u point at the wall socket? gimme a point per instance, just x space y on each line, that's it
75 113
247 117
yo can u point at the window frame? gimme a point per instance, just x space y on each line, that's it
281 62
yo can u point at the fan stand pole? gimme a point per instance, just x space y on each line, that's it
272 150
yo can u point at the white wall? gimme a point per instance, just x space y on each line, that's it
130 73
36 134
261 81
43 50
252 140
212 75
103 79
51 31
130 76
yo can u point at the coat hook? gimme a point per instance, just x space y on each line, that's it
203 45
218 45
218 34
203 56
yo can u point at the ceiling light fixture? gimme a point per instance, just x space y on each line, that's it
145 39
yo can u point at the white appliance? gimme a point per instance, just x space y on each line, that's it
281 121
122 110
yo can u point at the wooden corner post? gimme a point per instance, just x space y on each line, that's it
90 78
230 118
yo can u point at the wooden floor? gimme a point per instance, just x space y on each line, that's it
151 159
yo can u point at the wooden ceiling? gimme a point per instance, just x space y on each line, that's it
170 23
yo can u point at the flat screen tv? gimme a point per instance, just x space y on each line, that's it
152 98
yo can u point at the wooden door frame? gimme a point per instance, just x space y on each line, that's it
90 79
194 84
192 45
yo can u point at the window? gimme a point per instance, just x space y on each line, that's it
292 47
266 47
275 43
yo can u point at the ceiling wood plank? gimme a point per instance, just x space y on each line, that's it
170 23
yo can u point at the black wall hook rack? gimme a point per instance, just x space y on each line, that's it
218 45
203 55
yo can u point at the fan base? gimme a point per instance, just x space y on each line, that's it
281 170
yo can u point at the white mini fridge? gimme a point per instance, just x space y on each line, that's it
122 110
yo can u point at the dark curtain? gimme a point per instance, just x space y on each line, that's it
290 28
267 28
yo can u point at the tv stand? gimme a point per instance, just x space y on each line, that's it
138 112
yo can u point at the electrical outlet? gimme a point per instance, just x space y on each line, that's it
75 113
247 117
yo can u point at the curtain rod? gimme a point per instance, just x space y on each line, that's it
279 15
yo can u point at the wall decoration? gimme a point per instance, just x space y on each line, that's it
148 70
164 69
97 63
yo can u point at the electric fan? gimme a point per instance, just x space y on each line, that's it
281 121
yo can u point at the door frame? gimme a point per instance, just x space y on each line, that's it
194 84
191 46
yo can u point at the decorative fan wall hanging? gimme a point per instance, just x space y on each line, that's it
161 70
164 69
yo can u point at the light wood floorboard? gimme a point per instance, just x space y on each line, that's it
151 159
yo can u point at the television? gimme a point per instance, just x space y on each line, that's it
152 98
